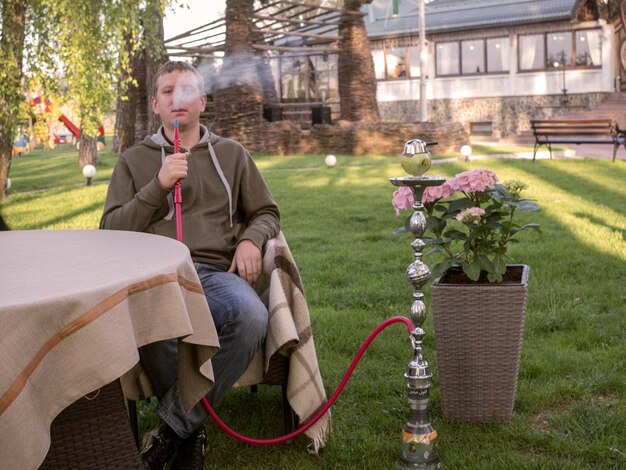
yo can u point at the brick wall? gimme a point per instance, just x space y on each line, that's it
382 138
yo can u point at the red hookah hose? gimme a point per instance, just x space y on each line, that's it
323 409
178 197
340 387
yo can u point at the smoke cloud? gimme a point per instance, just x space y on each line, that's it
186 90
236 69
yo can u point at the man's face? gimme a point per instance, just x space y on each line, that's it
178 97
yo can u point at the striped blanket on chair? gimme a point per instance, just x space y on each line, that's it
290 334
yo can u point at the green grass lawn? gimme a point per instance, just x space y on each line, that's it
571 403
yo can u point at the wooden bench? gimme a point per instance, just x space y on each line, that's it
579 131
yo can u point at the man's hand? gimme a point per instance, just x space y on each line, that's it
247 261
174 168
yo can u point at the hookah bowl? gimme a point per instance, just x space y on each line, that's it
419 438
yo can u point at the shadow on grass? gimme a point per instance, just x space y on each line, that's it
598 221
587 187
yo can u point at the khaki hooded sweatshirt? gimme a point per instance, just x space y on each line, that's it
224 197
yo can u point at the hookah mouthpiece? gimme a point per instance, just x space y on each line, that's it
176 137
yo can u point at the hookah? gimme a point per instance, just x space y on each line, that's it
419 439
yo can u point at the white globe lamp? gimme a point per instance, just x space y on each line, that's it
89 171
466 151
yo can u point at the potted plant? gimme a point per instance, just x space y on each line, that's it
478 299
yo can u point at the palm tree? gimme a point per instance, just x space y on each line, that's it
357 79
238 94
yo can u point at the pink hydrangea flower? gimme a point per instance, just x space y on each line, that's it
470 216
402 199
433 193
474 181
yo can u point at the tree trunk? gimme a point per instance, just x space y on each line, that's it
238 94
125 109
142 101
11 57
87 150
156 56
357 79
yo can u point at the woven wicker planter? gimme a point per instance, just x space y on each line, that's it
478 336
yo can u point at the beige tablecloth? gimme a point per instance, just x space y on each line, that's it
74 307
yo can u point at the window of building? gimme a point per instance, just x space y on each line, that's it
498 54
288 78
481 128
582 48
477 56
396 62
308 78
473 57
378 55
588 47
559 47
447 58
323 78
333 80
531 52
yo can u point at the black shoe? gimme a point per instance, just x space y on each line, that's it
191 452
160 449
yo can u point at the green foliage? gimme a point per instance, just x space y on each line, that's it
473 231
11 57
478 243
77 47
571 401
90 35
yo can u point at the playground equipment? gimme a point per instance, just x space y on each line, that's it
20 146
42 105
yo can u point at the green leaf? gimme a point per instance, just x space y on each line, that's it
431 223
528 206
499 266
472 269
485 263
460 204
455 234
442 267
523 227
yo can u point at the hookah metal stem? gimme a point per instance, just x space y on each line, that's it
178 197
324 408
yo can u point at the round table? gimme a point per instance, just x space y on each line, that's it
74 307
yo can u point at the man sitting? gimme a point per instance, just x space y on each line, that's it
229 214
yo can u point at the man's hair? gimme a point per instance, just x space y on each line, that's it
177 66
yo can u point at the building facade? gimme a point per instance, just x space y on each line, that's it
495 64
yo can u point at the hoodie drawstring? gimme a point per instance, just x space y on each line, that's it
224 182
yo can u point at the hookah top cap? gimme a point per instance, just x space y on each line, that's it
415 146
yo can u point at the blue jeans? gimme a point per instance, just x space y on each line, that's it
241 322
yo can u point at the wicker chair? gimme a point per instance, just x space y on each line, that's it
77 434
